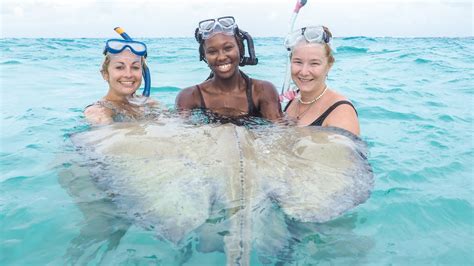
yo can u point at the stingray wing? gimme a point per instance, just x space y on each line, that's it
166 177
315 174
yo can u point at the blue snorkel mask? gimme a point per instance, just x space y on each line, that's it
115 46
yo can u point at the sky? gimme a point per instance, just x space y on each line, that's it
262 18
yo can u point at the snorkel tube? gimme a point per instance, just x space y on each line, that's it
146 70
285 89
251 60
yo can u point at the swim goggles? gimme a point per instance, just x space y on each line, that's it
312 34
209 27
115 46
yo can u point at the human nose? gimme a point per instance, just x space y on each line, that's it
221 55
128 72
304 69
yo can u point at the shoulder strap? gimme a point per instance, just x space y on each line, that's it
321 118
203 104
252 109
287 105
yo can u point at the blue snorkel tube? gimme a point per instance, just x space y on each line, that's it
285 90
146 70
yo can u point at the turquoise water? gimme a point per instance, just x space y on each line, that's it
414 98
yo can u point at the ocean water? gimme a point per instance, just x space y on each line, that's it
415 102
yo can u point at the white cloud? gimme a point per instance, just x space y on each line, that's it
148 18
18 11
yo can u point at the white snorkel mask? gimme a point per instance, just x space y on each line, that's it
210 27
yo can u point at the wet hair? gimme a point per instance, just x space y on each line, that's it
106 63
326 46
238 38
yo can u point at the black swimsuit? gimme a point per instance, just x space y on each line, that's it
319 121
252 109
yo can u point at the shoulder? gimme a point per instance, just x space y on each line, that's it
98 114
266 95
152 102
342 102
188 98
263 84
344 115
264 88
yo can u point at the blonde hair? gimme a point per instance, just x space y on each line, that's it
328 48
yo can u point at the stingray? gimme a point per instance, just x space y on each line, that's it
225 180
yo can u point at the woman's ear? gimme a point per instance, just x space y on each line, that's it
105 75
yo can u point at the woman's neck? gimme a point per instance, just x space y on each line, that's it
308 96
228 84
116 98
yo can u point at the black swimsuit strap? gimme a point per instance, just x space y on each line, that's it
321 118
252 109
203 104
287 105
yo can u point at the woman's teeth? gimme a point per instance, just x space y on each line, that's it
224 67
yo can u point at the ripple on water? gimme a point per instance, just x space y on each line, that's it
351 50
445 118
11 62
378 112
422 61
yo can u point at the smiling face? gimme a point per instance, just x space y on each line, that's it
123 72
310 64
222 55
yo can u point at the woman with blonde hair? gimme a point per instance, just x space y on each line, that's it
316 104
122 68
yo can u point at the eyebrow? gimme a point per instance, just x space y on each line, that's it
310 60
122 63
224 44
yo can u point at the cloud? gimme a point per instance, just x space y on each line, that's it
178 18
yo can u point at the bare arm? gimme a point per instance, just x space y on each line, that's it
186 99
268 100
98 115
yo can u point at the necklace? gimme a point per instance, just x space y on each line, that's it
309 104
315 99
300 115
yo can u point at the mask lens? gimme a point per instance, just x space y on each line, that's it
314 34
207 25
115 45
292 39
137 47
226 21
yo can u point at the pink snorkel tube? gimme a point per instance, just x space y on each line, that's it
299 4
286 93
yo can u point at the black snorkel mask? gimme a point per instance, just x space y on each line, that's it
226 25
